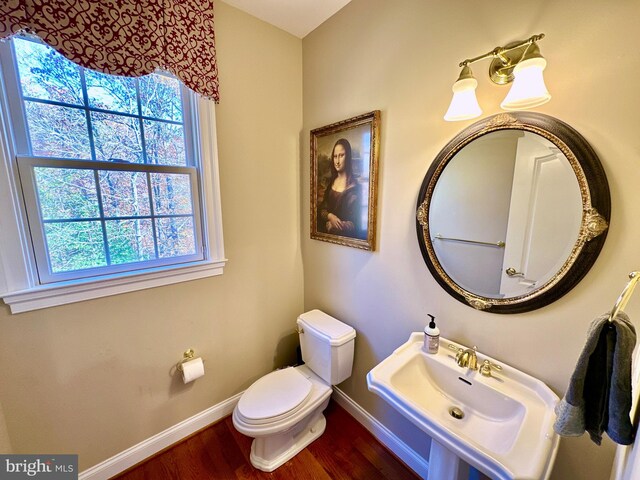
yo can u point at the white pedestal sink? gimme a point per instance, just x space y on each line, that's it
506 429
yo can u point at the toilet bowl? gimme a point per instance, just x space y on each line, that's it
282 411
282 430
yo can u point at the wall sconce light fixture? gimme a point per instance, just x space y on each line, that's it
517 62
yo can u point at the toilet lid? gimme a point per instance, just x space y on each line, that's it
274 395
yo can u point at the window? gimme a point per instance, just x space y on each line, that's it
107 170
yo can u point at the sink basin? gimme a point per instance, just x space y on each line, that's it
506 429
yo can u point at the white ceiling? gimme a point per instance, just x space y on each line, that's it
297 17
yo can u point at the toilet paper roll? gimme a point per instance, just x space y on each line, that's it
192 369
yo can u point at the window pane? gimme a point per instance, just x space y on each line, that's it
130 240
171 193
111 92
176 236
87 216
46 74
75 245
66 193
160 97
124 194
116 137
165 143
57 131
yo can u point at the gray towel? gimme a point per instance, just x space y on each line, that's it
599 395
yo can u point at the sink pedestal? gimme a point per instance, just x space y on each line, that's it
446 465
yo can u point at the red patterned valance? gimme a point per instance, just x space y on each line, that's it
125 37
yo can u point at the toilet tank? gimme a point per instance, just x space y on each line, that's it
327 346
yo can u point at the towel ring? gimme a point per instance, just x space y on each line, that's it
624 297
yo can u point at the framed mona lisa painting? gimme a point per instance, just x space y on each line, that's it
344 169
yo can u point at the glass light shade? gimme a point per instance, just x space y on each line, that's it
528 89
464 104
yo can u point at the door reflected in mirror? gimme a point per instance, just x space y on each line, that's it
505 214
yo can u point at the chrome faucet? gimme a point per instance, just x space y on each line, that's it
466 357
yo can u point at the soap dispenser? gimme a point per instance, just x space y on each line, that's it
431 336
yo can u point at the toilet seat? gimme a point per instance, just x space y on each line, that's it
275 396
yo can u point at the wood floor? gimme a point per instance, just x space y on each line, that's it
346 451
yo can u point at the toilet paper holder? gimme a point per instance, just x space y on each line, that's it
186 357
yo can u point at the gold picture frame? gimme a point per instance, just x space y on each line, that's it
344 181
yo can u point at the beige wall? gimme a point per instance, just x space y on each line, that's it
5 441
401 57
94 377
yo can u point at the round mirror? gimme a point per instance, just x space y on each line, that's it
513 212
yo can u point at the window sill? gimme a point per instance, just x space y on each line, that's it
79 290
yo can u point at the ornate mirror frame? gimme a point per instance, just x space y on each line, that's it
596 210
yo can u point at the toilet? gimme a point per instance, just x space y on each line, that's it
282 411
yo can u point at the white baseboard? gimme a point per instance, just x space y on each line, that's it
382 434
143 450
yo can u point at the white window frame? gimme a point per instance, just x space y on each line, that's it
20 287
